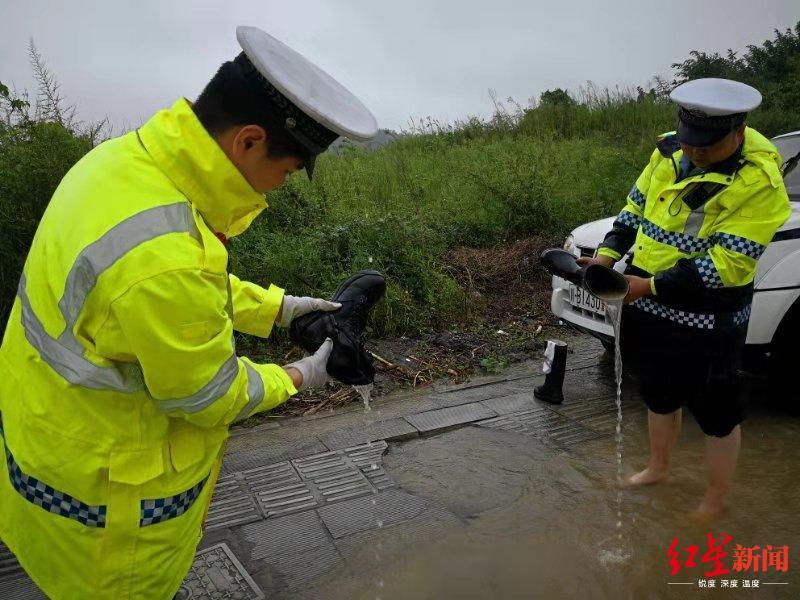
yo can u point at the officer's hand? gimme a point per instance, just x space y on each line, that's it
637 288
294 306
311 369
606 261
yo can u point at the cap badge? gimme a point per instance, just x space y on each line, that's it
696 112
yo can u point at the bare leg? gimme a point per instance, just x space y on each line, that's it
721 457
664 431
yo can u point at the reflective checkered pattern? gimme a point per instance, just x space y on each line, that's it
48 498
164 509
698 320
637 196
742 315
708 272
683 242
628 219
739 244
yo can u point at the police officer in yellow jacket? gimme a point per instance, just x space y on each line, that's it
118 372
698 218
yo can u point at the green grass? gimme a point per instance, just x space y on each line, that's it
400 208
479 184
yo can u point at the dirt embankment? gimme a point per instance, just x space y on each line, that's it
510 293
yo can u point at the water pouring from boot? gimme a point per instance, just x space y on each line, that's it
611 287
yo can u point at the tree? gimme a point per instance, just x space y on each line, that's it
556 97
773 68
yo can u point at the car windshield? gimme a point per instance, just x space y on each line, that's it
789 147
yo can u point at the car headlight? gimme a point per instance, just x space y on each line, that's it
569 245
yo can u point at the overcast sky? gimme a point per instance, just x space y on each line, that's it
125 60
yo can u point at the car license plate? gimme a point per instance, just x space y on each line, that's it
580 298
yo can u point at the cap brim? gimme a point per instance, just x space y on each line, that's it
691 135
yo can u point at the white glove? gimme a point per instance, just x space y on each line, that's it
297 306
312 368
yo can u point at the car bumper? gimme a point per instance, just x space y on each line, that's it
769 309
587 321
760 332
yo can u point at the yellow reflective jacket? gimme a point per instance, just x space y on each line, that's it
118 372
700 234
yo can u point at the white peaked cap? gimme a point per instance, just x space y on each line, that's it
716 97
306 86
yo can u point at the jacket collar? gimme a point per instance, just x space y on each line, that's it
756 150
762 153
195 163
729 166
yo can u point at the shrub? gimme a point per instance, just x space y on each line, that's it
533 172
39 143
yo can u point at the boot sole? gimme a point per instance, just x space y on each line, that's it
352 279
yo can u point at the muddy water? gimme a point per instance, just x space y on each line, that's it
531 521
365 391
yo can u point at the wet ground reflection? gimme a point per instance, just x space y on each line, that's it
539 523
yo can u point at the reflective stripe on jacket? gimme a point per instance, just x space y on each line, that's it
118 372
701 235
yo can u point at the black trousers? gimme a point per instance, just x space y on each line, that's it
677 365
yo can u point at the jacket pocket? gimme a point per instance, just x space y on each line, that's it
136 467
196 333
187 445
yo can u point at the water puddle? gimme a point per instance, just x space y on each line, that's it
532 523
365 391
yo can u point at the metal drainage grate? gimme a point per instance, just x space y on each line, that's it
301 484
369 458
396 428
333 477
245 458
382 510
9 567
216 573
21 588
601 415
553 429
231 504
14 583
278 489
436 420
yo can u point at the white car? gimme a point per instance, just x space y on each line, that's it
774 328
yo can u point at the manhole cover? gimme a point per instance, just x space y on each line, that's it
217 574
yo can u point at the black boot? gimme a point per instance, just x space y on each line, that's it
349 361
551 391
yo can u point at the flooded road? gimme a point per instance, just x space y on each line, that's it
478 491
539 523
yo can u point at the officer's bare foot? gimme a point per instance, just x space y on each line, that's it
708 510
647 477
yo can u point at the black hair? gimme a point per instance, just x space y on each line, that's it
232 99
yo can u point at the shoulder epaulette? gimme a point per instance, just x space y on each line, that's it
668 144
